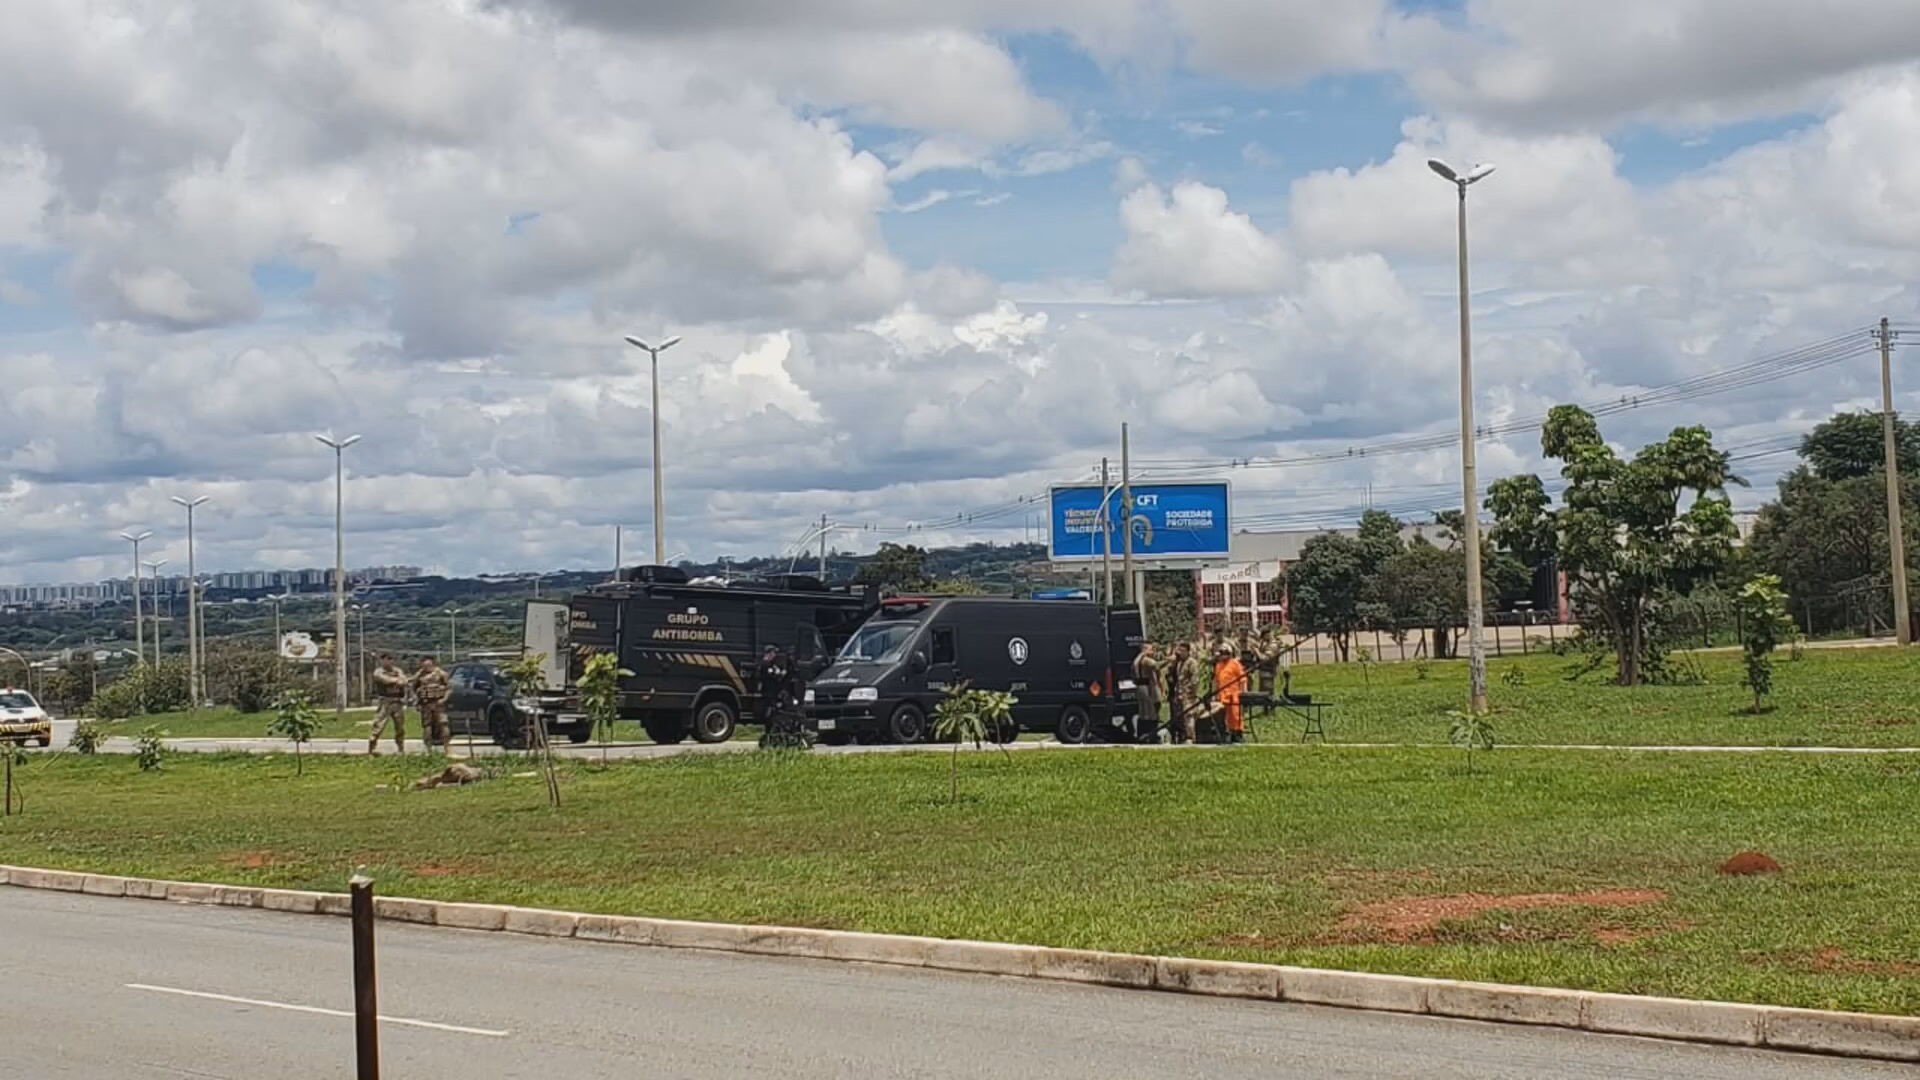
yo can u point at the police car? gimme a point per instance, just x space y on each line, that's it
22 718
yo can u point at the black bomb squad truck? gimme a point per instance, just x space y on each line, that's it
1068 664
693 649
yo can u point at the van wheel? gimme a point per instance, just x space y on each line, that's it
505 732
835 738
1005 733
714 722
580 733
1075 725
908 725
666 732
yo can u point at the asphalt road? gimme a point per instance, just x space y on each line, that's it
99 988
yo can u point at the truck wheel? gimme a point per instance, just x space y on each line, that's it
714 722
505 732
580 733
908 725
835 738
1075 725
666 732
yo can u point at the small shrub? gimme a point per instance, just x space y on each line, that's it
295 720
150 748
1422 669
87 737
1764 618
1470 731
118 700
1513 676
968 715
600 695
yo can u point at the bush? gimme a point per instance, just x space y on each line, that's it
87 737
151 747
248 679
118 700
150 689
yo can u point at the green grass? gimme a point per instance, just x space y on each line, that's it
1829 697
226 722
1251 854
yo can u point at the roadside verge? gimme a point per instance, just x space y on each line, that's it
1861 1035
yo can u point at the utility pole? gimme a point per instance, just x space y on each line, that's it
1126 517
193 605
339 448
1896 539
616 553
1106 537
823 547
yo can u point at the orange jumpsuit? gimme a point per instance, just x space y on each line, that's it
1229 679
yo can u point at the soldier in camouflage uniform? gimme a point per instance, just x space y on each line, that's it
1147 675
390 691
1266 659
1182 678
430 689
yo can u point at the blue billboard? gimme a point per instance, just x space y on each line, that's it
1183 522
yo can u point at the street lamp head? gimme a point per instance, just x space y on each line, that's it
136 537
337 445
655 349
1479 172
191 503
1445 170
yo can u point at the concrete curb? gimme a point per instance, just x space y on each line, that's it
1857 1035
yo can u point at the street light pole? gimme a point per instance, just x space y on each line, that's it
193 607
1897 543
153 571
1469 485
139 631
659 499
339 447
453 636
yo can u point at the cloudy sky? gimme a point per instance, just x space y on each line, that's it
925 257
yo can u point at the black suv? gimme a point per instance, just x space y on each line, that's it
480 702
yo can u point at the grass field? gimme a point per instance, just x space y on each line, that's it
226 722
1829 697
1588 869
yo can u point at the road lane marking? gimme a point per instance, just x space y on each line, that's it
229 998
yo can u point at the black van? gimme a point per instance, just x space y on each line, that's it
694 650
1069 664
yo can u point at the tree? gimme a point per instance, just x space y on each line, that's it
527 676
895 567
1632 532
969 715
1764 622
1853 444
1426 586
295 720
1523 517
248 679
1328 586
1170 606
600 694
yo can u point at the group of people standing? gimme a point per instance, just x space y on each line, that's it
1195 677
428 685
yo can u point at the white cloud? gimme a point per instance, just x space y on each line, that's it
1680 61
1187 242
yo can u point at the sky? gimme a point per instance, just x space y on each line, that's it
925 259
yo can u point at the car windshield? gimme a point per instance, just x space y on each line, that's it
14 699
879 642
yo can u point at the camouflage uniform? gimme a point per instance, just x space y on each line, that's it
1182 678
430 689
390 690
1147 679
1266 658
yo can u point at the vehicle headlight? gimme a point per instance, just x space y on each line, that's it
809 698
863 693
526 704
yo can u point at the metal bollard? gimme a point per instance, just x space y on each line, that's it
366 1008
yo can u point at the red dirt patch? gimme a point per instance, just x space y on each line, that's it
1748 863
1834 958
1414 918
445 869
253 860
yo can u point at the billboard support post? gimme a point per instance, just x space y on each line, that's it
1126 518
1105 524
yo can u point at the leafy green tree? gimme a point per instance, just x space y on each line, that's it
249 679
527 676
1523 516
969 715
151 748
1470 731
1426 586
600 694
1170 605
1633 532
295 720
1853 444
895 567
1328 586
87 737
1764 623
